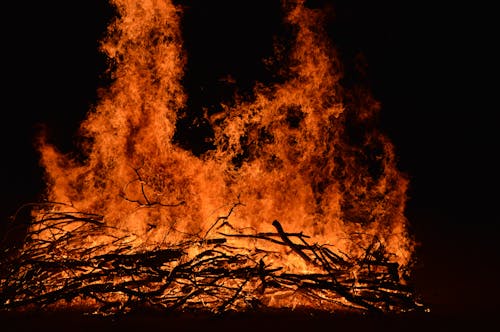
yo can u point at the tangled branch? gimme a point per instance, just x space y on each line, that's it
62 268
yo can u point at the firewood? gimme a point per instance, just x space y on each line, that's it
114 277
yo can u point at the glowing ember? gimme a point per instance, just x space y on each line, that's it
288 202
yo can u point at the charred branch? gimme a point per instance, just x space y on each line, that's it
146 201
115 277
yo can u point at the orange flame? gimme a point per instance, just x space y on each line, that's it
287 154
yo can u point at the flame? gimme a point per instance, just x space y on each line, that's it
287 154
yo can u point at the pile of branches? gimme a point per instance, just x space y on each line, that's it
208 274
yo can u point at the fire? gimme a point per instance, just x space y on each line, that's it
286 187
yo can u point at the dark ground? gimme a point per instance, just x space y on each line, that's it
428 64
252 322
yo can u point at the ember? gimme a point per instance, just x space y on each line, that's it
288 202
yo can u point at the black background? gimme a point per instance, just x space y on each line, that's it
429 65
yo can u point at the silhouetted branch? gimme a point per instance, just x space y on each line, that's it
113 276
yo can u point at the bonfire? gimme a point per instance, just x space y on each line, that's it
290 209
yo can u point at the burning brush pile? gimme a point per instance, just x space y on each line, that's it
292 208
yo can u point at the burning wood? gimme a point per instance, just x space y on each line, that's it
135 224
206 274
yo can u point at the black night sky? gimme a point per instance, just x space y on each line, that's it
425 63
